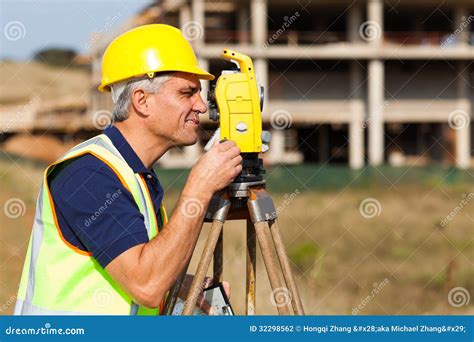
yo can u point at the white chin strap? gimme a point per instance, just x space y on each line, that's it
117 89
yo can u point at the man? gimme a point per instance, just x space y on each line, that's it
101 241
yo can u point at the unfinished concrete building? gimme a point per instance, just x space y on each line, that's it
355 82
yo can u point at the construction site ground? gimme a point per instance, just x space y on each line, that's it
402 260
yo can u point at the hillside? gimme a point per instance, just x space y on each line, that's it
21 81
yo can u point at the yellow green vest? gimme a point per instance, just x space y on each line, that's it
58 278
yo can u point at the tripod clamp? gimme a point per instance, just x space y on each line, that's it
237 194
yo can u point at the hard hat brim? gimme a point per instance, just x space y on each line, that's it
200 73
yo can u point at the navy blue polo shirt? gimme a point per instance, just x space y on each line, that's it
95 212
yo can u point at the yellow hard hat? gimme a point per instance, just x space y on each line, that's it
145 50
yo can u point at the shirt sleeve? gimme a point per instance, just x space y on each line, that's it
98 209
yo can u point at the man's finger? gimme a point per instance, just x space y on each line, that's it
226 145
233 152
237 161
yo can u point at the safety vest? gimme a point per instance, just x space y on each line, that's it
60 279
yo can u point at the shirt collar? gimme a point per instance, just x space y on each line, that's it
127 152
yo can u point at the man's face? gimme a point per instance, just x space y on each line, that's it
175 109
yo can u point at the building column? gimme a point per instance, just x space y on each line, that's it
277 146
462 117
356 125
376 110
243 25
184 15
354 20
259 36
198 15
461 15
259 22
375 16
376 88
204 64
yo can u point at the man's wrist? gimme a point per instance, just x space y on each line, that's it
195 190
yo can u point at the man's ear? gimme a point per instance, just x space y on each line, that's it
139 101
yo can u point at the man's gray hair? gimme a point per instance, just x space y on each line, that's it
121 93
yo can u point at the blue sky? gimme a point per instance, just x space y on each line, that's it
30 25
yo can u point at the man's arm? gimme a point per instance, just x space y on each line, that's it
147 271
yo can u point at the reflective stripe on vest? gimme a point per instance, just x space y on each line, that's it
60 279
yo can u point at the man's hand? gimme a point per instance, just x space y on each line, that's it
216 169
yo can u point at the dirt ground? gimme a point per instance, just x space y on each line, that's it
404 254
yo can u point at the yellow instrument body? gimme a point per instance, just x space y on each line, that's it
238 100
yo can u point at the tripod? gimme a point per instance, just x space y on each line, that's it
249 201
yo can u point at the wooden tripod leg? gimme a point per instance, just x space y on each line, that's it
251 266
262 230
286 269
218 262
173 294
196 286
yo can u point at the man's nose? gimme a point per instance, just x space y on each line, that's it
200 106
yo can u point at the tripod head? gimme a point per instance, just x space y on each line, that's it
236 102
